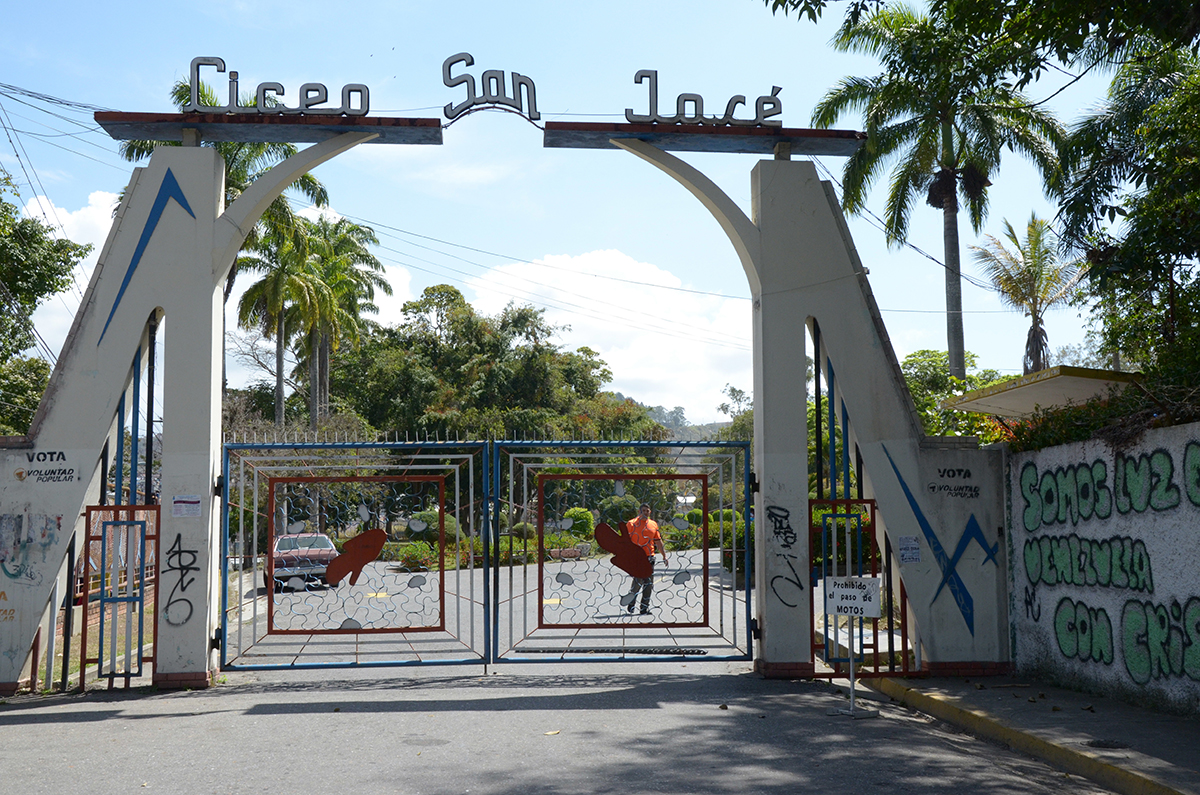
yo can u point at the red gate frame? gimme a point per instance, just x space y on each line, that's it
543 477
871 667
270 562
91 534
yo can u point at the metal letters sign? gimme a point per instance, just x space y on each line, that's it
494 89
765 107
852 596
312 97
492 83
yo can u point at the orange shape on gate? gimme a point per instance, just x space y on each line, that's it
627 554
358 552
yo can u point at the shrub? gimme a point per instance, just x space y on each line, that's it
725 521
583 524
676 540
559 541
391 551
695 517
618 510
429 534
524 530
418 556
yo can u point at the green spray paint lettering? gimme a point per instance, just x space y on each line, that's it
1164 494
1104 500
1083 632
1068 495
1161 641
1049 493
1191 472
1117 562
1065 494
1032 515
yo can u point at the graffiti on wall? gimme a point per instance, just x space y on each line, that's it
25 541
949 563
180 568
1154 636
788 588
1082 492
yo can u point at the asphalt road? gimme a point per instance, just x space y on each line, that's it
633 728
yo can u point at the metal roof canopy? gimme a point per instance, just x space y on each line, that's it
704 138
266 128
1051 388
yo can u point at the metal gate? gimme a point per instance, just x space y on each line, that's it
563 590
353 554
843 544
117 584
425 553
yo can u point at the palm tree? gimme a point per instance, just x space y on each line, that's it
935 114
290 298
1029 277
352 274
244 163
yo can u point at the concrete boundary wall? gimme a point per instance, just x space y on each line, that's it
1105 579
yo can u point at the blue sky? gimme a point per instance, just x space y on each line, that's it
608 245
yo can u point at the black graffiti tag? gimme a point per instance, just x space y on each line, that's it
1033 606
182 562
788 582
781 525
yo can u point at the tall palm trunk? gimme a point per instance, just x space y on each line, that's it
323 373
955 343
954 322
279 341
314 380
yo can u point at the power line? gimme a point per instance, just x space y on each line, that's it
522 260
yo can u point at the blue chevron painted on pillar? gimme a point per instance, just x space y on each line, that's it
168 190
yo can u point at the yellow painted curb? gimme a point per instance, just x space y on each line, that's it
983 725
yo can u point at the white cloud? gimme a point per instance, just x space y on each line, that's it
664 346
88 224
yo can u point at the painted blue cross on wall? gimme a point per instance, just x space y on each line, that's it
948 563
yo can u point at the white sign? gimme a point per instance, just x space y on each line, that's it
909 548
185 505
852 596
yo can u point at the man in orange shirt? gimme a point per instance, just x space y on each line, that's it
643 531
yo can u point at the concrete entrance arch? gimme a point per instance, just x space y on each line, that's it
171 246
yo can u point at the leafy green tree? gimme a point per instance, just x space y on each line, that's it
1033 33
927 374
1029 277
1040 31
447 370
940 123
618 509
1133 159
23 380
34 264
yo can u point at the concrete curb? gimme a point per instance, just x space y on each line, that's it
983 725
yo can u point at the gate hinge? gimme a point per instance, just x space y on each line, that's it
755 632
753 483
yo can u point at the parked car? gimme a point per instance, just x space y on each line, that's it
303 555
